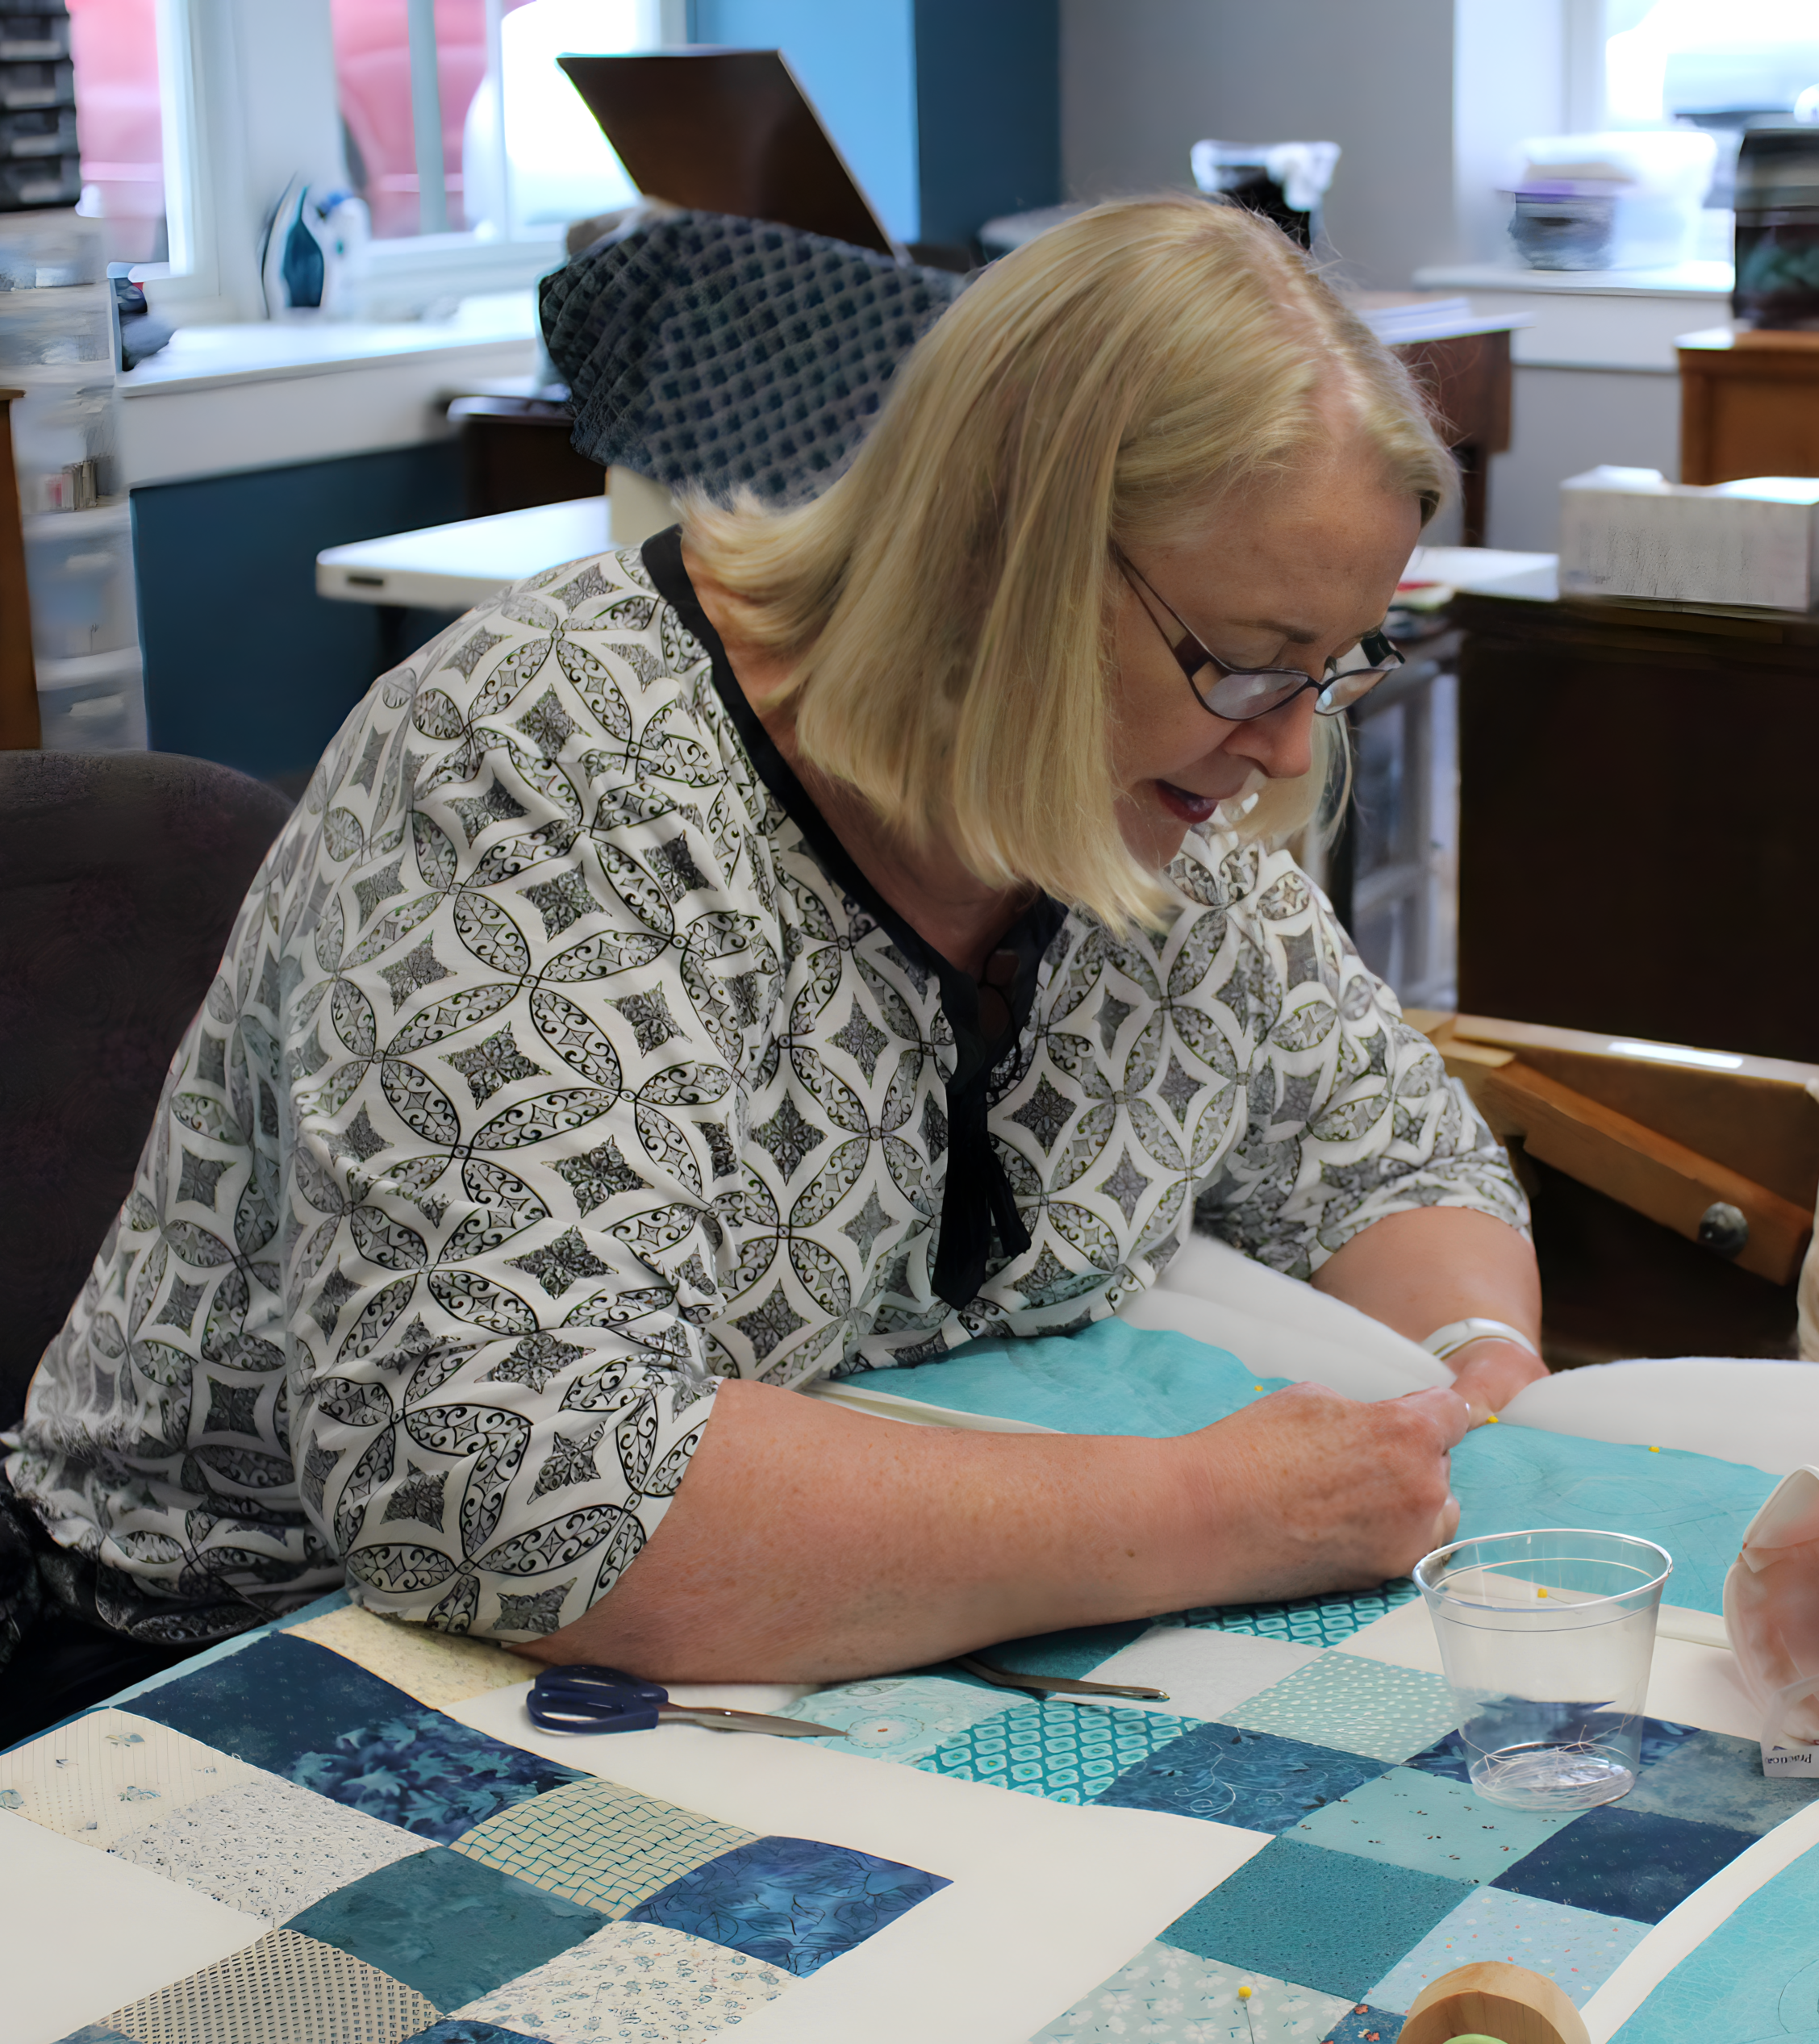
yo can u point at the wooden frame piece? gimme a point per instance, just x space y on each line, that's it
1761 1116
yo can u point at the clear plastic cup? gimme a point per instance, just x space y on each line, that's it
1546 1639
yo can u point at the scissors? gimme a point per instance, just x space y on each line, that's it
583 1699
1046 1685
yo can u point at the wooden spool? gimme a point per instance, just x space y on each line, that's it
1508 2003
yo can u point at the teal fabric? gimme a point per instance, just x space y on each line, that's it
1107 1378
1755 1976
1113 1379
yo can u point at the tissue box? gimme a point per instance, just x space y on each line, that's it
1628 532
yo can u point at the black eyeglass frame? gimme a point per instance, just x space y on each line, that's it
1193 659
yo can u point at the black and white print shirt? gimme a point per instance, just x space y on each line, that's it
561 1064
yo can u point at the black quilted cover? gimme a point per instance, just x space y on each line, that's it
702 349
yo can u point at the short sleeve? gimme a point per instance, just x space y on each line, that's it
1350 1114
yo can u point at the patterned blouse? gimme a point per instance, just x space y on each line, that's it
561 1064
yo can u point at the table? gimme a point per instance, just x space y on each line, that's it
1749 404
1462 358
450 567
341 1817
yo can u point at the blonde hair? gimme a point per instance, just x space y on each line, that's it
948 600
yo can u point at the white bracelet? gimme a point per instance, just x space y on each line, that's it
1447 1341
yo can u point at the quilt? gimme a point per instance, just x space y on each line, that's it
341 1828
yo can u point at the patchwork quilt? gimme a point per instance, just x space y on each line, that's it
341 1828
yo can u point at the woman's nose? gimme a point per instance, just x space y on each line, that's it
1281 742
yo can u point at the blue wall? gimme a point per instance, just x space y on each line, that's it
856 61
245 663
948 111
988 111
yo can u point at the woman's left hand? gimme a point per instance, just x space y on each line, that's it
1491 1373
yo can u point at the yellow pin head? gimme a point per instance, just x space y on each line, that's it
1490 1419
1243 1993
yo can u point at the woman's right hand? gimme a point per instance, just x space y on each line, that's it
1306 1491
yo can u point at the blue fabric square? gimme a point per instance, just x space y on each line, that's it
1365 2024
1054 1750
1755 1975
274 1700
457 2029
1625 1862
1715 1779
793 1903
446 1925
1661 1737
427 1773
1073 1655
1257 1780
320 1720
1324 1919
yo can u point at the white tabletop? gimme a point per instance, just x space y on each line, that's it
1487 571
449 567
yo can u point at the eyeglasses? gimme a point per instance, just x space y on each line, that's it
1238 695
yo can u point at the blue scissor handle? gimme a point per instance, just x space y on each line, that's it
579 1698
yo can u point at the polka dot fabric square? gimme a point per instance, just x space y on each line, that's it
1579 1949
1428 1824
1059 1751
631 1983
1626 1862
1359 1706
1166 1996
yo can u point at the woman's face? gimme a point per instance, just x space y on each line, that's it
1288 573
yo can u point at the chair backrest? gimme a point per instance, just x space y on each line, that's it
120 875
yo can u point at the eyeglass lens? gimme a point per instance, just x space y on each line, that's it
1238 698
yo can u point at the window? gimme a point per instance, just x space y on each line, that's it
467 191
119 123
1723 65
1708 61
420 121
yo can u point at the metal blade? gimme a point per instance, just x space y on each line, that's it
713 1718
1055 1685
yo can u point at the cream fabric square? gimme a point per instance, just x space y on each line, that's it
111 1773
267 1846
596 1842
631 1983
437 1668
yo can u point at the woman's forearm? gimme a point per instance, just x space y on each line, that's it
1419 1271
810 1544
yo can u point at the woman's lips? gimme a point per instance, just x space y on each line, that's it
1183 802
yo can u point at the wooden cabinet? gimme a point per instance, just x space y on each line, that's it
1637 848
1638 858
1748 405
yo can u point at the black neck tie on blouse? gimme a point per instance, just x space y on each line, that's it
987 1015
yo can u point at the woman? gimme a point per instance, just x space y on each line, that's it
804 946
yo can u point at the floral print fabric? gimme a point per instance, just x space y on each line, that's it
550 1077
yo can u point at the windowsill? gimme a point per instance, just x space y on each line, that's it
1702 280
206 357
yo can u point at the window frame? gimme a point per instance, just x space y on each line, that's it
213 96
